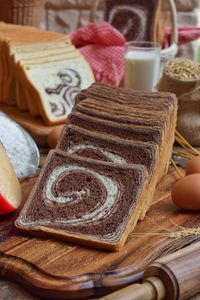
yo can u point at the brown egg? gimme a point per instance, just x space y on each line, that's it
193 166
186 192
53 136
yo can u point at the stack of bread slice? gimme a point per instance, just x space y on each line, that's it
131 115
40 72
102 176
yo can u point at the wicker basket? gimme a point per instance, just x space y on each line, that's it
170 52
24 12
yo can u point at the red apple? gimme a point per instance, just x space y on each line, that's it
10 191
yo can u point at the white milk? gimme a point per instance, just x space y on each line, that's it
142 69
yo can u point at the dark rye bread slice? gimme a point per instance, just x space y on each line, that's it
118 110
137 102
118 116
128 96
158 110
164 102
120 91
85 201
90 144
110 103
124 131
160 96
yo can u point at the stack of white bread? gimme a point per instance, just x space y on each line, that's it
40 72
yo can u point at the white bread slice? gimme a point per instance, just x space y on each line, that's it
24 86
28 56
21 94
50 83
9 83
10 191
17 47
49 58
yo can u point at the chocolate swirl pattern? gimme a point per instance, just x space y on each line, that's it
100 210
108 155
130 21
68 89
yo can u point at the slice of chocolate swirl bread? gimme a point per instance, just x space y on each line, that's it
122 130
94 145
85 201
157 110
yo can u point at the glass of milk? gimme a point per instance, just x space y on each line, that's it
142 65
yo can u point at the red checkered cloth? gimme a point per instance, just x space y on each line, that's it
185 34
103 47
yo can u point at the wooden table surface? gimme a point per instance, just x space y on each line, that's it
12 291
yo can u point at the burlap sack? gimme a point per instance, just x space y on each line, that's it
176 86
188 121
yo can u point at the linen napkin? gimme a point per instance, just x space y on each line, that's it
103 47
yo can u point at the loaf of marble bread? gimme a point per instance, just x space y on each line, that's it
126 132
108 103
86 201
126 115
158 106
41 72
129 114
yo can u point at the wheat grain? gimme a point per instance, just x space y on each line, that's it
183 69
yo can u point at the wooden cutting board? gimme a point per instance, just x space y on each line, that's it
59 270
